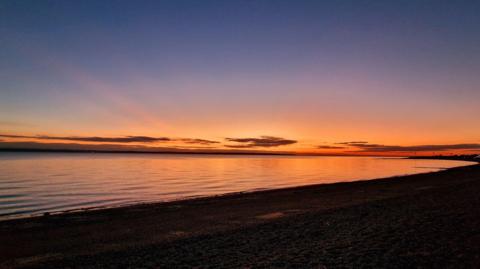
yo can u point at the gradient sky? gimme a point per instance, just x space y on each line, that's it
305 76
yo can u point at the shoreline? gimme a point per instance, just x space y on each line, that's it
28 241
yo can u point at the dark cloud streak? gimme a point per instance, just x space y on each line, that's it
352 143
263 141
330 147
198 141
124 139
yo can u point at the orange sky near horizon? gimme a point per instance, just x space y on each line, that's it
254 145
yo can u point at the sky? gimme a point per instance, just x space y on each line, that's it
325 77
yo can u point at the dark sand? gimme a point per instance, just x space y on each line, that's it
429 220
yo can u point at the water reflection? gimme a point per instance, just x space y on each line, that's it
33 183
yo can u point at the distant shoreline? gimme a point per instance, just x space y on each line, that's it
468 158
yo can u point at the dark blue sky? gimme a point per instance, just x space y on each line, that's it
233 36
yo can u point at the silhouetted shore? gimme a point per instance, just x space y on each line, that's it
428 220
469 157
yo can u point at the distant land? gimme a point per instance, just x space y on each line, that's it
469 157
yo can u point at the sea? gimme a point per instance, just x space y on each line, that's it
36 183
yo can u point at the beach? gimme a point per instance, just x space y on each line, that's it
426 220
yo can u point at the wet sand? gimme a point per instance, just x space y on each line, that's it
428 220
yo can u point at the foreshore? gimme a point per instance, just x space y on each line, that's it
427 220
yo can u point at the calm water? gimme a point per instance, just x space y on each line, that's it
34 183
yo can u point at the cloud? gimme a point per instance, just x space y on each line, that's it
198 141
330 147
352 143
124 139
76 146
239 146
263 141
423 148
